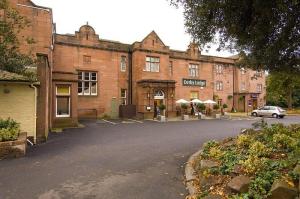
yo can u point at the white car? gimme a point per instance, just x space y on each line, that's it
270 111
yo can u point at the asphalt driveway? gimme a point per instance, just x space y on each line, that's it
130 160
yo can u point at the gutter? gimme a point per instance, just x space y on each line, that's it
35 111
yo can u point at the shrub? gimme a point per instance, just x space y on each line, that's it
184 106
162 107
253 164
259 149
216 107
9 130
243 140
200 107
283 141
225 106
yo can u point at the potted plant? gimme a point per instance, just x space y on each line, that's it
216 108
224 107
162 108
201 107
184 114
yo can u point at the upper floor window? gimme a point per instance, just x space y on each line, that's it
243 71
87 59
123 63
219 85
123 97
243 86
193 70
171 68
87 83
259 87
258 73
219 68
152 64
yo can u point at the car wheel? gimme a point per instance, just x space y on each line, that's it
275 115
254 114
281 116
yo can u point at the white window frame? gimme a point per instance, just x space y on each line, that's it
193 70
219 86
69 95
243 71
123 98
152 64
89 81
259 87
219 68
171 68
243 86
123 64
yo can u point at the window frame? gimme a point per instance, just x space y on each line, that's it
219 68
219 86
90 82
123 63
123 98
193 92
259 88
151 63
193 70
243 86
61 95
171 68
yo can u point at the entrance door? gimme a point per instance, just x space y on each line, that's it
158 100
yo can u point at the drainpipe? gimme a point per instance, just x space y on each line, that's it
35 110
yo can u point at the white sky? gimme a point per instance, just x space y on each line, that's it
126 21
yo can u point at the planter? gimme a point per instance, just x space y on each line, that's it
162 118
218 116
201 116
13 149
185 117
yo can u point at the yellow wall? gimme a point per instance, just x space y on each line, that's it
18 104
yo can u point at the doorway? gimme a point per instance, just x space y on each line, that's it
159 98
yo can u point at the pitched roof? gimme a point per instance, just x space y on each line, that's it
9 76
153 33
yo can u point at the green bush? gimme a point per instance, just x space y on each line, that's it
225 106
162 107
9 130
200 107
216 107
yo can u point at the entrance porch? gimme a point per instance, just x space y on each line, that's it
151 94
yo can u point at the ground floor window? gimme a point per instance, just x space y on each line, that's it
87 83
194 95
123 97
62 101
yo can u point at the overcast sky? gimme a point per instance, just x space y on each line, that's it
125 21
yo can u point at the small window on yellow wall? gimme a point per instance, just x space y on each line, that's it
194 95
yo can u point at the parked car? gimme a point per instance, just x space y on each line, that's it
271 111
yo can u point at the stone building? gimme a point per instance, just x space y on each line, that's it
82 75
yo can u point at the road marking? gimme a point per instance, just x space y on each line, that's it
113 123
135 120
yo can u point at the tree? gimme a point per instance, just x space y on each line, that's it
265 33
282 88
11 24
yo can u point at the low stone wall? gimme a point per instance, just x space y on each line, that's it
14 149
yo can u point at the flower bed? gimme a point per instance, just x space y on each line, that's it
12 142
256 164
